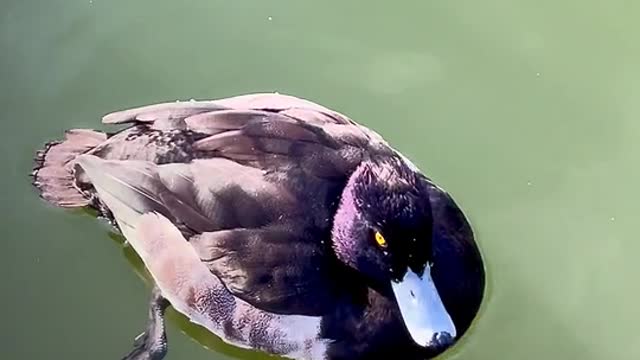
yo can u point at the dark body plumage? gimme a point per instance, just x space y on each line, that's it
256 184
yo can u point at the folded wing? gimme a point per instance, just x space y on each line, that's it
255 196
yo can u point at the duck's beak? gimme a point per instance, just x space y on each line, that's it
422 310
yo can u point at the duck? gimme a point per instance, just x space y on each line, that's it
278 225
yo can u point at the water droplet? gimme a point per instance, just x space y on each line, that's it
538 74
270 18
529 183
613 218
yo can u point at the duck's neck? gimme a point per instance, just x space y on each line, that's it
347 221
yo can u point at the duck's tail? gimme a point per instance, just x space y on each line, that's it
53 173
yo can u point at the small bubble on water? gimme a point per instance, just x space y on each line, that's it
538 74
529 183
613 218
270 18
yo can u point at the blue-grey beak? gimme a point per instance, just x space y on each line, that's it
422 310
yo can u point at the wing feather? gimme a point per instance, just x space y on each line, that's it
257 190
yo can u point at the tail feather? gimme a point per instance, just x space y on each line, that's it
53 172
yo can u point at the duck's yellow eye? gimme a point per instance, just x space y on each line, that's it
380 240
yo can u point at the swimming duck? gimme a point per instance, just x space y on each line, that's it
277 224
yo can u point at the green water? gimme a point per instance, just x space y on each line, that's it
527 111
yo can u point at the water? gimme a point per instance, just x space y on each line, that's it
527 112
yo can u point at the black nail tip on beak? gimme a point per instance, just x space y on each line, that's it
442 340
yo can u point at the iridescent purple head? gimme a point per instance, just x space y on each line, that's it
383 229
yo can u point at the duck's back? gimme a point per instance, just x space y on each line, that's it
251 182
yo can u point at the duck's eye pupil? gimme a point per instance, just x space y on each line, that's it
380 240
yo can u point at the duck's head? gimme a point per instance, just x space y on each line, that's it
383 229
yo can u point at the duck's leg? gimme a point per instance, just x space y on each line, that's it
152 343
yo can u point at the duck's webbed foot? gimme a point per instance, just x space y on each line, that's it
152 343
